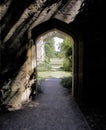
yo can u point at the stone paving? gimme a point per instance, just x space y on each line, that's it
53 109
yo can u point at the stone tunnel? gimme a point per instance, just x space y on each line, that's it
21 24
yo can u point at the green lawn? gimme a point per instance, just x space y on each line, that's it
53 74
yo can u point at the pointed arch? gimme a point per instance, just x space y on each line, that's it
77 83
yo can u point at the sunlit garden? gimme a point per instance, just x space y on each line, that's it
55 59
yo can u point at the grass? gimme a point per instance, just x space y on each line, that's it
53 74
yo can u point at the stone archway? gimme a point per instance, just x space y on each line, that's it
77 84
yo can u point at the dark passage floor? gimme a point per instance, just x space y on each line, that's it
52 110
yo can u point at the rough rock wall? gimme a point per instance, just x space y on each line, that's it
18 88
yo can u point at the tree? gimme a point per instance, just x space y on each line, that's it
49 49
66 53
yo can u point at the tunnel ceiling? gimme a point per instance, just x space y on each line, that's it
21 16
14 14
64 10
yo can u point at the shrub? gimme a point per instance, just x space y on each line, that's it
67 82
44 67
67 66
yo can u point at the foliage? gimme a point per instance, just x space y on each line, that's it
67 66
66 47
49 49
44 66
67 82
66 53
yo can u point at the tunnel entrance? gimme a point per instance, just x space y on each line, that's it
77 49
54 58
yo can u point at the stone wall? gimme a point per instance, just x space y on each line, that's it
90 23
18 89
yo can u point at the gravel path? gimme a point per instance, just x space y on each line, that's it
53 109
